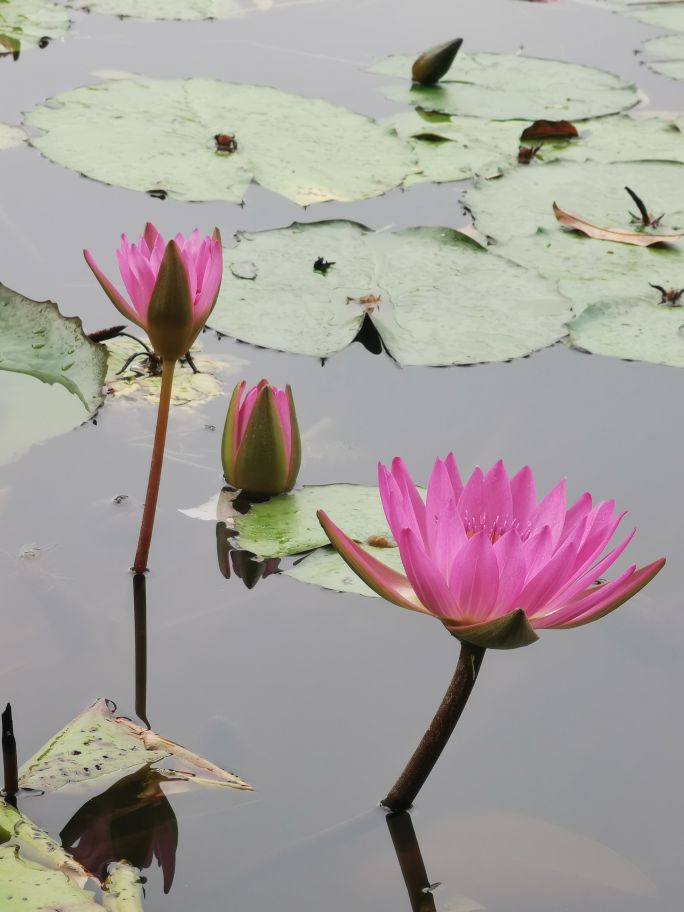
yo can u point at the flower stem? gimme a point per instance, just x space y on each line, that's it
433 742
147 524
9 757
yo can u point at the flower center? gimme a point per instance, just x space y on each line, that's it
493 526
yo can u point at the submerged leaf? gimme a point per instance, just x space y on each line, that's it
11 136
511 86
159 135
98 744
620 236
436 300
666 55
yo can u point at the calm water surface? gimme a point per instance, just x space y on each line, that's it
561 789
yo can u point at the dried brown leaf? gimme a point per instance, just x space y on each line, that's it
617 235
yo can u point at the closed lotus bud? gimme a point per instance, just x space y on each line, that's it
435 62
261 450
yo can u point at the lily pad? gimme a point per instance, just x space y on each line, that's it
38 343
521 204
664 15
174 9
37 845
11 136
666 55
29 887
452 149
433 294
513 87
288 524
324 567
123 889
98 744
138 382
24 24
161 135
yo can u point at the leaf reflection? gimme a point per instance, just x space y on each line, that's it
133 821
245 564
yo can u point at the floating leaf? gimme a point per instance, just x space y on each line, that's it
99 744
668 15
431 293
29 887
324 567
288 524
521 204
10 136
30 22
38 845
123 889
666 56
620 236
139 383
176 9
511 86
37 341
160 136
451 149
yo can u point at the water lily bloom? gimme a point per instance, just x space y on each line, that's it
261 450
489 560
172 286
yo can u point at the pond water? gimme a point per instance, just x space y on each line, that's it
561 788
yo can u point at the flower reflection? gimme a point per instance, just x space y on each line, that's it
132 821
245 564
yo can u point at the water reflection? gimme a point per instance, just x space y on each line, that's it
132 821
140 628
411 862
245 564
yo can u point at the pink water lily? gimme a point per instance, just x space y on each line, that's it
172 286
261 448
489 560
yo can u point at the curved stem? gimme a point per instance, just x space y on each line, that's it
147 524
433 742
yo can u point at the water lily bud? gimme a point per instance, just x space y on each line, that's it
434 63
173 287
261 450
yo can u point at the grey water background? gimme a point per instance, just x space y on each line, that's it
561 788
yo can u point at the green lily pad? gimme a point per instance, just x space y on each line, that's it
513 87
123 889
664 15
38 343
288 524
666 55
37 845
174 9
452 149
432 294
97 745
521 204
29 887
324 567
11 136
24 23
160 135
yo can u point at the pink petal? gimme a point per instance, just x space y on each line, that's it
454 475
470 504
510 558
381 579
413 502
538 550
496 498
474 579
550 578
427 583
114 295
551 512
282 404
524 497
576 513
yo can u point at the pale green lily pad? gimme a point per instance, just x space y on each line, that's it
37 845
324 567
636 327
138 384
513 87
123 889
666 55
664 15
23 23
433 294
452 149
159 135
521 204
38 344
29 887
11 136
176 9
288 524
98 745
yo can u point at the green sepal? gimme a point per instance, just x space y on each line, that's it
229 434
261 461
434 63
169 315
508 632
296 443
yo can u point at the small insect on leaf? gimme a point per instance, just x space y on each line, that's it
226 143
527 153
367 303
322 265
669 296
549 129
